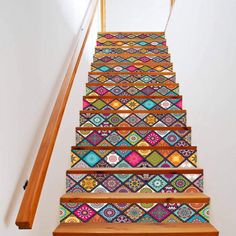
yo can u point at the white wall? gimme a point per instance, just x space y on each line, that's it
137 15
36 42
202 41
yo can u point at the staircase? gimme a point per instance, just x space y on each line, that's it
133 162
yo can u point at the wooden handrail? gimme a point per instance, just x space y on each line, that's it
172 3
29 204
103 15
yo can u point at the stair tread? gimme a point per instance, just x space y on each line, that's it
114 229
135 197
134 147
131 84
131 96
135 170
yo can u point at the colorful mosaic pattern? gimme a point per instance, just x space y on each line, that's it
144 36
165 89
133 119
141 67
166 158
134 183
133 50
126 42
125 103
131 213
103 137
131 78
132 84
113 58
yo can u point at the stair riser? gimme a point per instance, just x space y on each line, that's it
140 36
136 50
116 67
144 90
133 138
121 43
134 213
134 183
131 78
132 104
132 119
134 158
131 58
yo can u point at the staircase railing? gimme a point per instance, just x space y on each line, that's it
29 204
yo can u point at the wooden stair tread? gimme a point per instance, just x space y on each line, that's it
125 54
135 197
131 73
135 171
149 229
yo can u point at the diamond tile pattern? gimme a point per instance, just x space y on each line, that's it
132 84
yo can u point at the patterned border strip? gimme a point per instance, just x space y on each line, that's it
139 137
132 103
117 78
127 58
162 158
137 50
132 119
121 43
133 89
131 213
144 36
142 67
134 183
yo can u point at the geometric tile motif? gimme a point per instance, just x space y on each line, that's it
131 119
133 213
165 89
131 58
135 158
133 138
142 104
158 42
145 67
131 78
138 50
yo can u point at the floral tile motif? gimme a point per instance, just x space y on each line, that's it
164 89
128 67
114 58
133 119
172 103
136 50
131 42
137 158
143 36
134 213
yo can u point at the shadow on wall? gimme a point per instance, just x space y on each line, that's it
57 28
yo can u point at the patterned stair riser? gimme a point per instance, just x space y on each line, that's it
142 67
132 103
133 138
185 158
121 43
143 36
130 213
133 119
134 183
165 89
131 78
130 58
133 50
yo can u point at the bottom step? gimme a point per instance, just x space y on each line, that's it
115 229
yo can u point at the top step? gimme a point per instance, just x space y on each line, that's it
131 35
